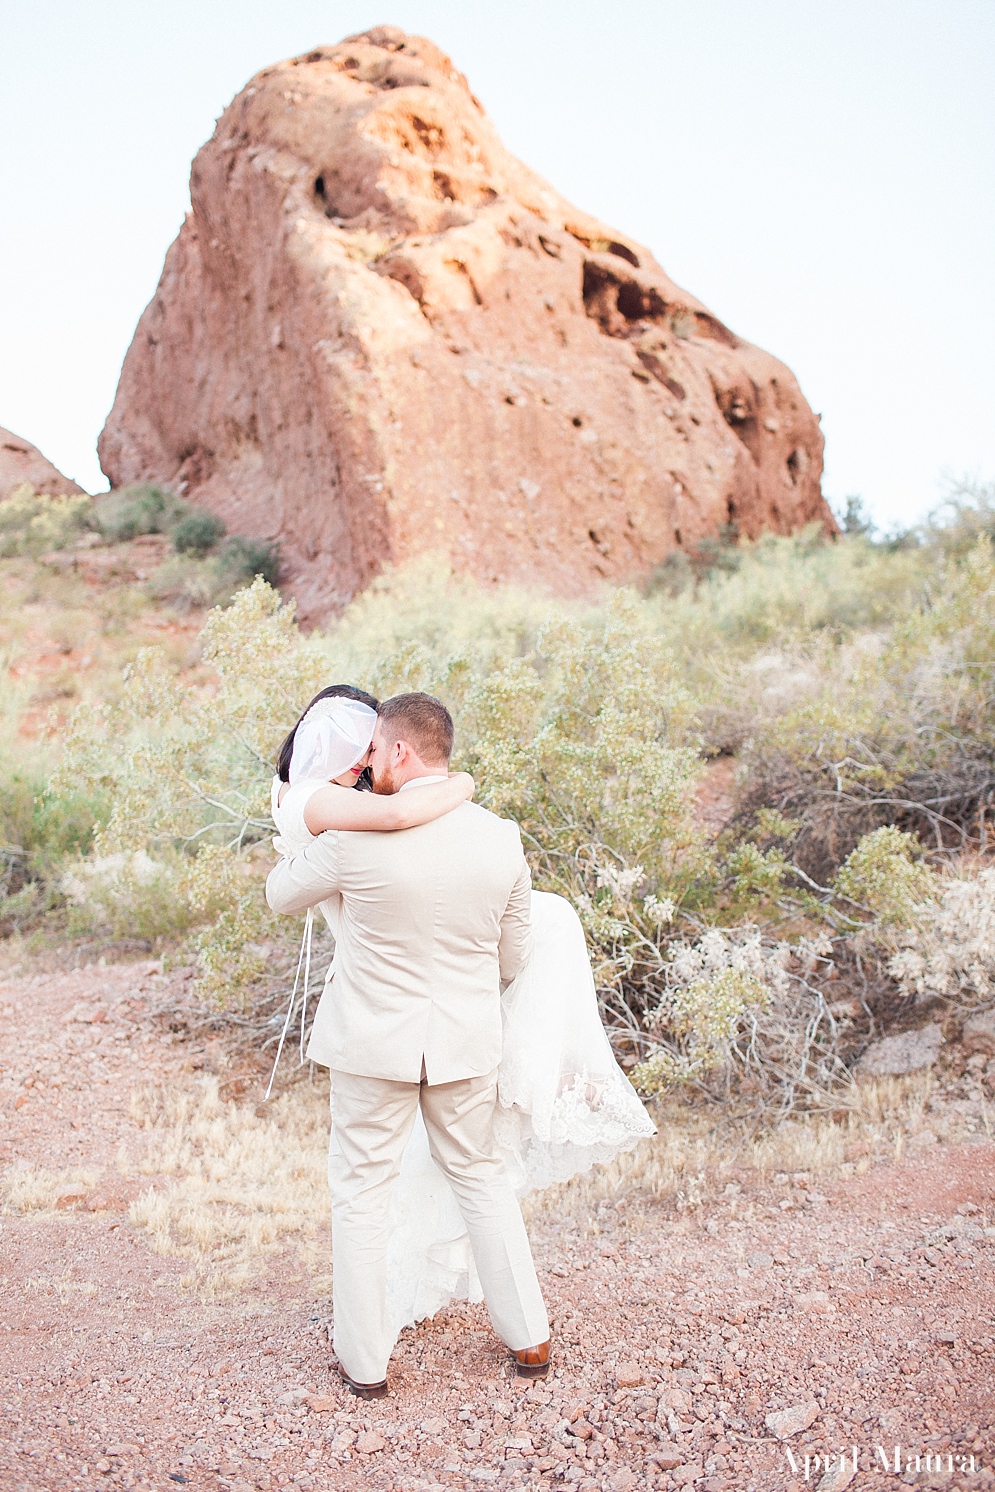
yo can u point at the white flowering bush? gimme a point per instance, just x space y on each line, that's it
713 987
949 950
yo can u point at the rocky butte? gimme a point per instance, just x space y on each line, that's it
21 462
380 334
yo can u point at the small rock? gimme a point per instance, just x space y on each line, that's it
70 1196
924 1137
294 1396
322 1403
668 1456
629 1375
88 1015
838 1476
434 1426
760 1261
895 1055
103 1465
369 1443
622 1479
978 1034
787 1422
689 1473
817 1302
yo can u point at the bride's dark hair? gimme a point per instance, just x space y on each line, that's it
334 691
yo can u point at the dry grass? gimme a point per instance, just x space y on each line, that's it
243 1185
28 1188
693 1158
248 1186
63 1285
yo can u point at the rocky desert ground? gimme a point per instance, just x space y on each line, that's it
166 1310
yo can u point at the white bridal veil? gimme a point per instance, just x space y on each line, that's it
331 738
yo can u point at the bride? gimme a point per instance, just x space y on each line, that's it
565 1103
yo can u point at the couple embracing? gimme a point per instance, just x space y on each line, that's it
458 1019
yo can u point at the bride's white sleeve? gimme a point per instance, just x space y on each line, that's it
293 834
565 1102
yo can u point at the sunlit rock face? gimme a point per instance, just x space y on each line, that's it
380 334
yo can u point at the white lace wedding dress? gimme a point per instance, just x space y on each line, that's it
565 1104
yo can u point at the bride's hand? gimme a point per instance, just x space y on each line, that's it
466 782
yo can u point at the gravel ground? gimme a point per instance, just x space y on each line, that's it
682 1338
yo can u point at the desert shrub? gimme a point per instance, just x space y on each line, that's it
896 729
852 679
39 832
196 581
186 774
189 583
426 608
948 949
127 896
885 874
198 532
966 515
32 522
589 741
710 987
789 587
241 560
141 508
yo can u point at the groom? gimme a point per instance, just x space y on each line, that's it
433 920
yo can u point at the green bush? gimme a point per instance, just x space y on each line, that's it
241 560
39 832
142 508
190 581
197 533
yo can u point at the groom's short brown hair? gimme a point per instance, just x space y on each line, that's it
421 720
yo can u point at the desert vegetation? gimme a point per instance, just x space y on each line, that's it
765 781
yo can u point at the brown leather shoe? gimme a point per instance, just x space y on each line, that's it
533 1362
363 1390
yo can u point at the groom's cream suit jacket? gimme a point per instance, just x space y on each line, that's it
432 920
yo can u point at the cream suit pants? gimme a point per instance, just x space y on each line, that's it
371 1122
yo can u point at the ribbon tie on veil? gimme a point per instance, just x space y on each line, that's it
332 737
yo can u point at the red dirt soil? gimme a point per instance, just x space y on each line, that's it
676 1333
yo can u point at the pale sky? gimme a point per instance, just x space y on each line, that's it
819 172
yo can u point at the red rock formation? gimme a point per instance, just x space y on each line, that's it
20 462
378 333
